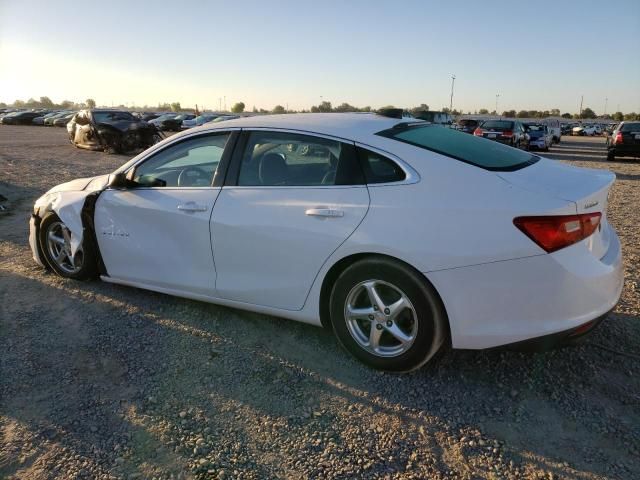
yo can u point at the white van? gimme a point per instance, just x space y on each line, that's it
553 126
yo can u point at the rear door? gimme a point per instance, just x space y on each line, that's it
289 202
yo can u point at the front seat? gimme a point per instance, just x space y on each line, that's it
273 169
330 177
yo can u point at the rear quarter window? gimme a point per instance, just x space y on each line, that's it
466 148
379 169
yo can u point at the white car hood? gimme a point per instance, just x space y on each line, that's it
90 183
67 200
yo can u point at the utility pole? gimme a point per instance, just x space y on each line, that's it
225 103
606 101
219 104
453 80
581 100
497 97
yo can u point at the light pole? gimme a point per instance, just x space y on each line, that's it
497 97
606 101
453 80
581 100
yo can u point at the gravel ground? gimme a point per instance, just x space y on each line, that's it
103 381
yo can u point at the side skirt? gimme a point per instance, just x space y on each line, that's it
289 314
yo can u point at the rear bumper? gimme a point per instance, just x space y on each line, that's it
538 143
512 301
559 339
625 150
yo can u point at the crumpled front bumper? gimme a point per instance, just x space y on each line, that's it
34 223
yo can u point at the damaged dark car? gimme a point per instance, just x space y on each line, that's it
112 131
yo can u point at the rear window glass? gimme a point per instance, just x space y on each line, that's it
471 123
497 124
630 127
480 152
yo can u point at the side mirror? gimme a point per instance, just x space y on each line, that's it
119 180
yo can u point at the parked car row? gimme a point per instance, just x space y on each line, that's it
165 121
514 133
587 129
111 130
58 118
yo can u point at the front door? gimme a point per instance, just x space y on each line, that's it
295 200
156 233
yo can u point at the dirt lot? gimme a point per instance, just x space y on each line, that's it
103 381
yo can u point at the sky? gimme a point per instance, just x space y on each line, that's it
535 54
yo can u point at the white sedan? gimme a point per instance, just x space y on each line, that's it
400 235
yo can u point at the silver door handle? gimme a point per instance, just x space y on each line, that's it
192 207
324 212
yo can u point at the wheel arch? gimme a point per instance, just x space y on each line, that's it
342 264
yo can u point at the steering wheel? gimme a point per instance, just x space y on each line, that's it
194 176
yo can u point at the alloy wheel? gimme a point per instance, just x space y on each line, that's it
59 249
381 318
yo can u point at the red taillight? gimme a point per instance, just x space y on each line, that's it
477 132
618 138
507 133
555 232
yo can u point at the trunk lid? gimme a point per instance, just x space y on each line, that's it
587 188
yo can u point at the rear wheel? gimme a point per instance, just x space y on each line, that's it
611 156
55 243
387 315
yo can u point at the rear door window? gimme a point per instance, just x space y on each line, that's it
466 148
291 159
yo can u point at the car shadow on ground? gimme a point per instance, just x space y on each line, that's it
104 367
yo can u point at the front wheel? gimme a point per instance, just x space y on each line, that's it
387 315
55 243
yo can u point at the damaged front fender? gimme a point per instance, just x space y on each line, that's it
68 201
68 206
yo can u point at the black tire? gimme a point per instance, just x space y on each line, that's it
86 252
611 157
430 315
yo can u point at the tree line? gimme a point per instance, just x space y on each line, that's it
325 107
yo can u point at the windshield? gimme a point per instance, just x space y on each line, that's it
461 146
100 117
